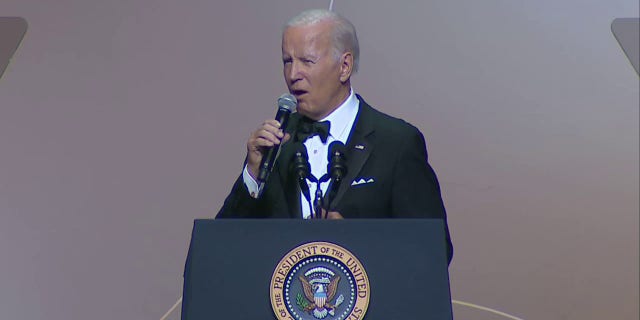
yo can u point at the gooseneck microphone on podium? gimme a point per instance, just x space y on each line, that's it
301 168
286 104
336 169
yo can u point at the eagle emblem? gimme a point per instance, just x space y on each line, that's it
319 281
320 286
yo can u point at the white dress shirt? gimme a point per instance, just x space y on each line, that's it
342 120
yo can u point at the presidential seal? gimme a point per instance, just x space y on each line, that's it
319 280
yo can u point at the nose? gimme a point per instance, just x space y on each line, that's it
294 72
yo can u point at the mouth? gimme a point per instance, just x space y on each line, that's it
298 93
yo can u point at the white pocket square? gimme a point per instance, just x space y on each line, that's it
362 181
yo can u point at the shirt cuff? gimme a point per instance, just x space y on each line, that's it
250 183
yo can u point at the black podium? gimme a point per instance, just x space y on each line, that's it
230 265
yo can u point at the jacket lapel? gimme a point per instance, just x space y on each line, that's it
359 148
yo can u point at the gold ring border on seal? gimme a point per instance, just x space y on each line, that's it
311 249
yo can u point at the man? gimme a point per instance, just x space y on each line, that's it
387 170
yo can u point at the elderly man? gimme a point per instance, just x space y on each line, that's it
388 173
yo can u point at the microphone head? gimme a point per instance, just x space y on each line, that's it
300 163
299 150
288 102
336 149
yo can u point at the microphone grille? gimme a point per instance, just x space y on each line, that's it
336 147
288 102
298 147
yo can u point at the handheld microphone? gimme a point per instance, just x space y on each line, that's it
286 104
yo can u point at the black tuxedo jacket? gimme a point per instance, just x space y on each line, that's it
387 176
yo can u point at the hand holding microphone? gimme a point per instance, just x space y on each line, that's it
264 143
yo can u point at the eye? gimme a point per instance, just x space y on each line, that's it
286 60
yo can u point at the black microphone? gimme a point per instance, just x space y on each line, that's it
337 169
286 104
302 171
301 168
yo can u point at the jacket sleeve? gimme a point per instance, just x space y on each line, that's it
415 190
240 204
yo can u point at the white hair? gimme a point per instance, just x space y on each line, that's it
343 32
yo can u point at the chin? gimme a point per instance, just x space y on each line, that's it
301 108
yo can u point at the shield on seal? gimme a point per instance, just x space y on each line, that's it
320 297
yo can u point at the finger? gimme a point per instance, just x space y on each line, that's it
256 143
273 127
268 130
261 143
265 134
272 122
334 215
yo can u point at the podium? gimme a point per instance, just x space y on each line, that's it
231 269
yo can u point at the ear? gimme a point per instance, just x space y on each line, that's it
346 66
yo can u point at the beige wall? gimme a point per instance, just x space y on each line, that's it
122 121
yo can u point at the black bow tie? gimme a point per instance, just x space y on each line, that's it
309 128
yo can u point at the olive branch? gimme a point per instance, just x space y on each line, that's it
301 302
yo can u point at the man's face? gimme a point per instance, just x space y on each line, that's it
311 70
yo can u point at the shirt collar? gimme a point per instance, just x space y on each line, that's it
342 118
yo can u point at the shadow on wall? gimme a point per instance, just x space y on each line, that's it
627 32
12 30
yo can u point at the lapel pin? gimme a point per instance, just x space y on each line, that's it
359 147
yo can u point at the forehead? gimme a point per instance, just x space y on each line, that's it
315 36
